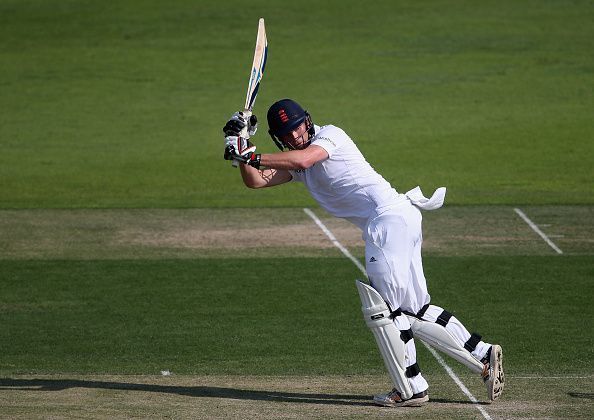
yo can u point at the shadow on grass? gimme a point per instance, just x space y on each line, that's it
197 391
190 391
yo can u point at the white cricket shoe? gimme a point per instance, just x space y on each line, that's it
493 377
393 399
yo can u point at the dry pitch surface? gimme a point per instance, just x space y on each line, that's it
72 396
202 233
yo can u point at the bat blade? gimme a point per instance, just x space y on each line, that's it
260 56
258 65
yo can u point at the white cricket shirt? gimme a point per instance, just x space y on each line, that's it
345 184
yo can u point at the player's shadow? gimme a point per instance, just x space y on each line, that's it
190 391
197 391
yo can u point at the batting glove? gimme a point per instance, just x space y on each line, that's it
249 158
238 122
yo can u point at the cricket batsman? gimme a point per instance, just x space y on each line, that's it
396 303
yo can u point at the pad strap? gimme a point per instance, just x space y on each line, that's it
413 370
422 311
406 335
443 318
393 313
472 342
419 314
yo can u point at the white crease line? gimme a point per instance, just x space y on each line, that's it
458 381
550 377
334 240
537 230
433 352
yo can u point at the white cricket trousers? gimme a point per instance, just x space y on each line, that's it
395 269
393 257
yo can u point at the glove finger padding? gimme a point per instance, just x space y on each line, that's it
229 153
233 127
236 124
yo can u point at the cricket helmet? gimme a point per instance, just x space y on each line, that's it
285 116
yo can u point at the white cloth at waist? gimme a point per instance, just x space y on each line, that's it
415 197
434 202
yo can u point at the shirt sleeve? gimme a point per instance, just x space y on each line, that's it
329 138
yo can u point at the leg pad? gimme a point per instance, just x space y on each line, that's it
387 336
436 335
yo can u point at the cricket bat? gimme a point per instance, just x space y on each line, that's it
258 65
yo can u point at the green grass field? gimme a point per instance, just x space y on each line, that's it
121 104
138 317
95 305
129 247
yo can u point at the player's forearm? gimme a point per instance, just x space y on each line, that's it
293 160
262 178
270 169
252 177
